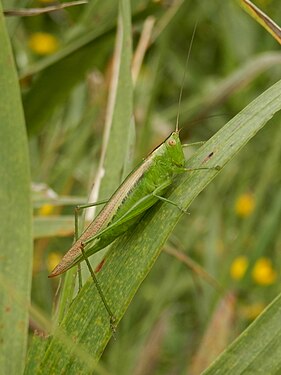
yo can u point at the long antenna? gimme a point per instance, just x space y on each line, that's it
184 74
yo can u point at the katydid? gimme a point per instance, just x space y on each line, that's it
140 190
143 187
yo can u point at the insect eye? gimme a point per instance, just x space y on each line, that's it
172 142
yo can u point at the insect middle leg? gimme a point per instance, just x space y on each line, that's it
78 208
171 202
186 170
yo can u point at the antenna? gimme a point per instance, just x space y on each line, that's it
184 74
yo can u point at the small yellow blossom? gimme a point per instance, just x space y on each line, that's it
43 43
244 205
46 209
53 260
263 272
239 267
252 311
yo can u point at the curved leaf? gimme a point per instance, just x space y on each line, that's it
257 350
15 216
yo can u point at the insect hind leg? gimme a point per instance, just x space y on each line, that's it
99 289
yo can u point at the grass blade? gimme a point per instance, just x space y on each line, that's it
257 350
15 224
262 19
37 11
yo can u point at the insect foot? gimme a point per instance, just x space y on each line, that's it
184 211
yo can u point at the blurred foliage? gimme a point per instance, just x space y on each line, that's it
65 92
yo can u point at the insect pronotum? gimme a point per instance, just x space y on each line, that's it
140 190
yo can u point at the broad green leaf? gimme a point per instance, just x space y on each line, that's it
86 322
15 216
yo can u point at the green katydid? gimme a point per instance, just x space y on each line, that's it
141 189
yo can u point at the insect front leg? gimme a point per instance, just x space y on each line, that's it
193 144
80 207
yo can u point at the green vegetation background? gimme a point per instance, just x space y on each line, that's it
189 307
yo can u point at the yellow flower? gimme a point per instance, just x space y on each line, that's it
53 260
252 311
239 267
43 43
263 273
244 205
46 209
